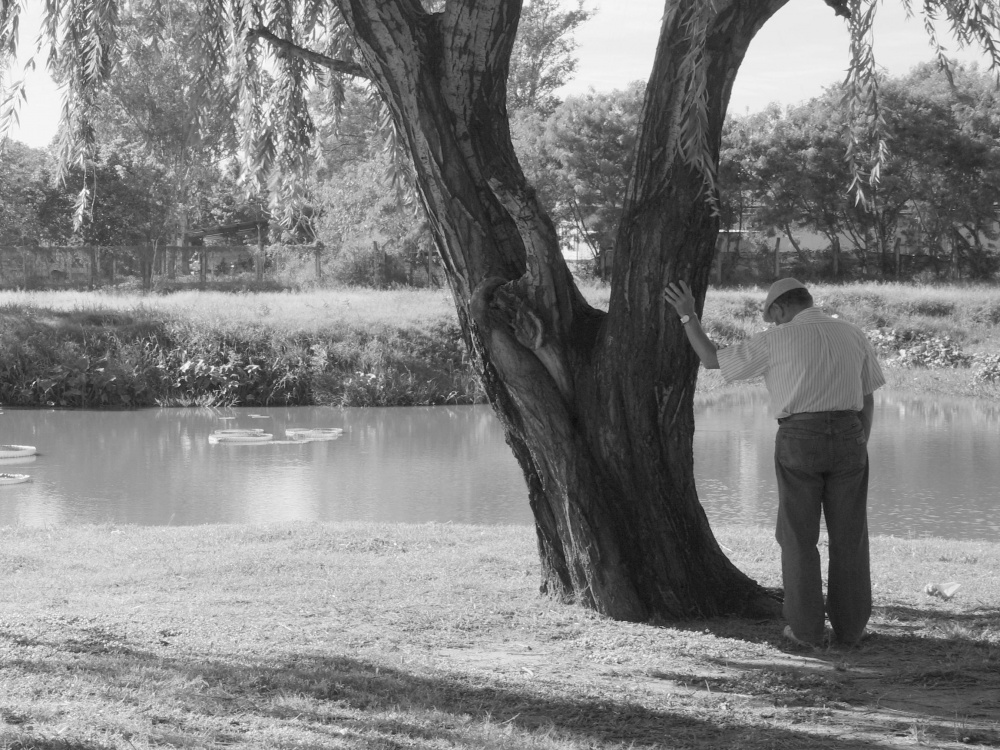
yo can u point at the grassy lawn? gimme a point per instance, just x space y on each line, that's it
434 636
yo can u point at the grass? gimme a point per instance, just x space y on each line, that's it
344 348
968 313
350 347
283 312
434 636
952 332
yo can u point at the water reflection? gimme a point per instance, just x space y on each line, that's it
935 463
157 467
935 466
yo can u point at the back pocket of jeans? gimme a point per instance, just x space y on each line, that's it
800 453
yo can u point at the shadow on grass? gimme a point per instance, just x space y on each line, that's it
931 668
903 613
48 744
374 705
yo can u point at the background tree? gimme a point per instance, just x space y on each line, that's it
542 59
24 182
154 105
597 406
368 229
744 154
122 209
578 159
946 133
937 192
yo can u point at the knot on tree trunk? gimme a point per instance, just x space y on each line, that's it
499 305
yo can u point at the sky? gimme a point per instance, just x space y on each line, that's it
798 53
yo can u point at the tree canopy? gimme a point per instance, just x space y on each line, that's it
936 193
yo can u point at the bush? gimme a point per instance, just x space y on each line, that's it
365 265
913 349
987 368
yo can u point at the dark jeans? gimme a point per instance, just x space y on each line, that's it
822 466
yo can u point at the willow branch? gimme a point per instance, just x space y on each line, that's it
283 47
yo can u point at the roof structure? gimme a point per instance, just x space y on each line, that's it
240 230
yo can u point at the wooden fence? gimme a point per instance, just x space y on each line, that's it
99 266
93 267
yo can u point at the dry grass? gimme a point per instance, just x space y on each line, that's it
301 312
364 636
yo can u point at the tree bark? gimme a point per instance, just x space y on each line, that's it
597 407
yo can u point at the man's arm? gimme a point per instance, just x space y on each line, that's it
867 414
679 295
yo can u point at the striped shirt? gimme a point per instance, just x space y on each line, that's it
812 363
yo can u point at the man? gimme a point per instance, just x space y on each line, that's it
820 374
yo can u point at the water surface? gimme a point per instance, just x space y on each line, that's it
157 466
935 466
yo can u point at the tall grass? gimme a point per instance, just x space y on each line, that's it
344 347
285 313
351 347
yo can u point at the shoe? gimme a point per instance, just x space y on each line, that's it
790 636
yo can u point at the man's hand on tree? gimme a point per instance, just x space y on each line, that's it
679 295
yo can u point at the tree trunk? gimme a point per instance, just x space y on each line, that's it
597 407
259 257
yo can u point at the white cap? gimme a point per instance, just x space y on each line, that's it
778 288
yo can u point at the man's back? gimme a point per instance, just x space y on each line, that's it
812 363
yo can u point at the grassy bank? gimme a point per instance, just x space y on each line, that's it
402 347
343 348
365 636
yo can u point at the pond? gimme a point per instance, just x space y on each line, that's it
936 466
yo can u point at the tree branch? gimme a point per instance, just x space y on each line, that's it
285 48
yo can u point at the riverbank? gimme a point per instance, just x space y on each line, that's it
434 636
354 347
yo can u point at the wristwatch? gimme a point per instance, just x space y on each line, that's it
685 319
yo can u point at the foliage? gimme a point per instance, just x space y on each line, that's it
370 231
786 170
917 349
349 129
578 159
542 59
23 186
987 368
124 206
153 108
144 355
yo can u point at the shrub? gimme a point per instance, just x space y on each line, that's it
913 349
987 368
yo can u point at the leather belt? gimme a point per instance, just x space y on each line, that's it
818 415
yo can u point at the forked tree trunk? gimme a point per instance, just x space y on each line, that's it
597 408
